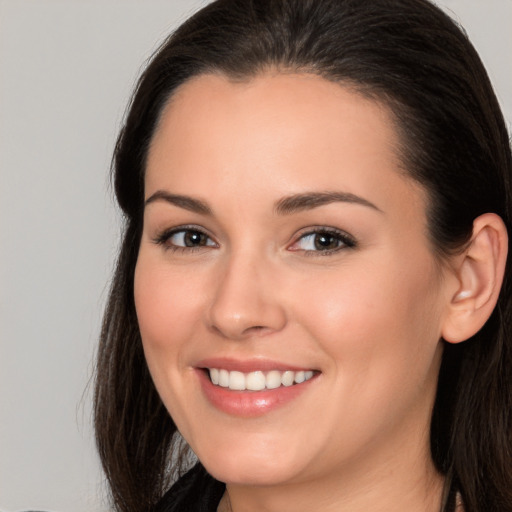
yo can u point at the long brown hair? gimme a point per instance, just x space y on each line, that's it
409 55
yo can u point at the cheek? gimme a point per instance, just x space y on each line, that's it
379 329
167 305
380 317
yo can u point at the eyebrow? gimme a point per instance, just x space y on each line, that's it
186 202
285 206
310 200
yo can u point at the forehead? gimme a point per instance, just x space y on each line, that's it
275 134
287 105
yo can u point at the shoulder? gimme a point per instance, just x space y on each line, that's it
196 491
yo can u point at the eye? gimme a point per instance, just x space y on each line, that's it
189 238
184 239
323 240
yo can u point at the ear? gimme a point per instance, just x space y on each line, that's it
479 272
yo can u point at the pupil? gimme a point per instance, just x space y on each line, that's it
194 238
325 241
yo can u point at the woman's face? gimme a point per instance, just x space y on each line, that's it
282 243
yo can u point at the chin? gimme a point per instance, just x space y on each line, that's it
234 471
252 464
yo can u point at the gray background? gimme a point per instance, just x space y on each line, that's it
67 68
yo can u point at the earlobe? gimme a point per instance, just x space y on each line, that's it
479 271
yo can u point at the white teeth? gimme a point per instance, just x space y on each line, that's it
273 379
255 381
258 380
214 375
299 377
287 378
224 378
236 381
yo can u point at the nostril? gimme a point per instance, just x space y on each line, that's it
256 329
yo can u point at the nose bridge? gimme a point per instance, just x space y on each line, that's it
245 299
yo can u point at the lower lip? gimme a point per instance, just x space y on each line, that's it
250 404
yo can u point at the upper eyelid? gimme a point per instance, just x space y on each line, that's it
186 227
347 241
167 233
323 229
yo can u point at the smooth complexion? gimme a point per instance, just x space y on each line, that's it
281 233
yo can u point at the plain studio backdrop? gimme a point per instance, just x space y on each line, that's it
67 68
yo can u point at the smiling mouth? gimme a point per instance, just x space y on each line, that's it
257 380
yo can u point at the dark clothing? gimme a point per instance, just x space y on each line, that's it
196 491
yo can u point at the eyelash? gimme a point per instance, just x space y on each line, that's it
164 237
345 240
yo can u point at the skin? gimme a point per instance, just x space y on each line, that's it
368 318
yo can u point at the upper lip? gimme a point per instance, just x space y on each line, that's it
248 365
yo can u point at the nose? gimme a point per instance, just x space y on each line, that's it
245 301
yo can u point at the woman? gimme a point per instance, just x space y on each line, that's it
313 286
